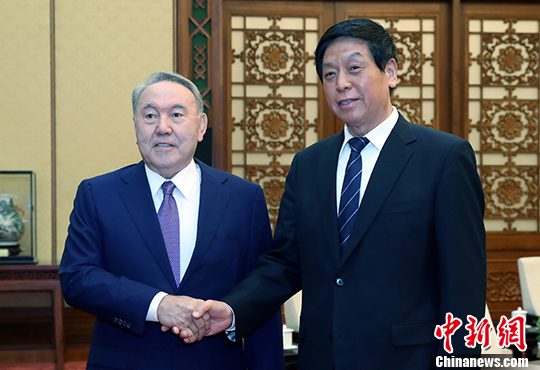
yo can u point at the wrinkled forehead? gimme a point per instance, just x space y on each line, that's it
350 46
166 94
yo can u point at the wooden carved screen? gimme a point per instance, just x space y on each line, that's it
274 91
503 90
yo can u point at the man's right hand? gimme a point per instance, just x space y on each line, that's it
220 316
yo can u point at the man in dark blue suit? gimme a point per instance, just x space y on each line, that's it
116 265
373 296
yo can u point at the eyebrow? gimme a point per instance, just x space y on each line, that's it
178 106
152 106
355 54
148 105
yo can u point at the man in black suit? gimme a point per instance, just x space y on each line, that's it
415 248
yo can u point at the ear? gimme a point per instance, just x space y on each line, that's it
203 124
391 72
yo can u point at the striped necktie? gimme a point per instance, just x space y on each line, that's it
350 192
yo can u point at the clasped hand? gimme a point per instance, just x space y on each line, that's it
193 319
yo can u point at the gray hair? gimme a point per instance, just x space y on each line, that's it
172 77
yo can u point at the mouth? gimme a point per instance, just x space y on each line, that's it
162 145
346 102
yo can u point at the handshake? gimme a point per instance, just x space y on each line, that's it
193 319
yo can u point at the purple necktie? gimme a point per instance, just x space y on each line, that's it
170 228
350 192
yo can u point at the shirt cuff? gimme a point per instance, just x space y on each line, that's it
231 330
151 315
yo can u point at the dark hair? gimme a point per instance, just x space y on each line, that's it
378 40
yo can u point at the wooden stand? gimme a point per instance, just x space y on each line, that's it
36 278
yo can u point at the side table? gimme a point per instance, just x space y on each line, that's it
38 278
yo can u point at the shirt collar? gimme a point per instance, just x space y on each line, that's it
184 180
377 137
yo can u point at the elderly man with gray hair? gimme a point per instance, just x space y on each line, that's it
145 238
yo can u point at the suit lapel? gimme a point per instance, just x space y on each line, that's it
138 200
213 202
392 159
327 194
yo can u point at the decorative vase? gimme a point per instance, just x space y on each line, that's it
11 224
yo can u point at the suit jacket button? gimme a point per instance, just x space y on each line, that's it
339 282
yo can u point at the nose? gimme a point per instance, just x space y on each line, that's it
343 83
164 125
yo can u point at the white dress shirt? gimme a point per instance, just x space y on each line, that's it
377 137
187 195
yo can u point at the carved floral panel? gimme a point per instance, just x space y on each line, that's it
503 109
274 98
